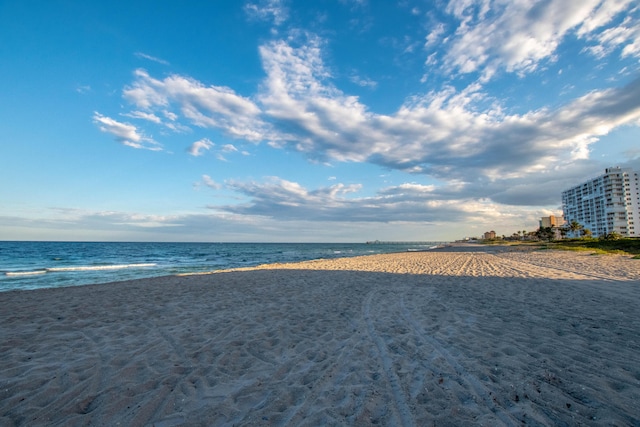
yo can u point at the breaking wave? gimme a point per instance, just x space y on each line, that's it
77 268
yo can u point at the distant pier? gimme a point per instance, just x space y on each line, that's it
386 242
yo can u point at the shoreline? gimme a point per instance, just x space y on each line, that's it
452 335
34 265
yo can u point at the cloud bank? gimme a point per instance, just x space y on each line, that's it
438 133
485 155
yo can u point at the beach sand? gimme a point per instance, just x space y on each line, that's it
457 336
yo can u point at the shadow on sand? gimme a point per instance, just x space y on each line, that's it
303 347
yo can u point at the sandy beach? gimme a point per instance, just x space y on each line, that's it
457 336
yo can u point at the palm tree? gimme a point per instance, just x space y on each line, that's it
611 236
575 227
545 233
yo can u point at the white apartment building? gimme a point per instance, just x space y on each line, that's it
606 204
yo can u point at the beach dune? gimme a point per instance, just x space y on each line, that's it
455 336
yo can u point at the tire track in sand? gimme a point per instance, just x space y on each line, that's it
317 387
400 400
538 268
481 393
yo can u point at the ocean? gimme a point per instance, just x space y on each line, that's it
34 265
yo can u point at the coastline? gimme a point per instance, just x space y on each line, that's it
36 265
455 335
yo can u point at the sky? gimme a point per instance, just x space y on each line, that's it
308 121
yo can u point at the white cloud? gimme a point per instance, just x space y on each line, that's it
125 133
111 219
285 199
83 89
268 10
410 203
444 133
296 99
206 179
460 137
146 92
208 227
602 15
170 115
144 116
435 36
363 81
204 106
516 36
229 148
196 149
626 35
151 58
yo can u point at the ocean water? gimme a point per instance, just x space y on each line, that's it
33 265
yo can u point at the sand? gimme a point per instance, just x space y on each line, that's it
458 336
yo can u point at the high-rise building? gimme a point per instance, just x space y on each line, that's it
606 204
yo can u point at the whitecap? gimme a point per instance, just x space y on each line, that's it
99 267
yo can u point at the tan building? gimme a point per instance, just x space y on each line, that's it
489 235
551 221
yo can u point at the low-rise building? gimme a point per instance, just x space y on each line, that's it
489 235
552 221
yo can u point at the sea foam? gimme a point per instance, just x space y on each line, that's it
77 268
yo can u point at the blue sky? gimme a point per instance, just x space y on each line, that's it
295 120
